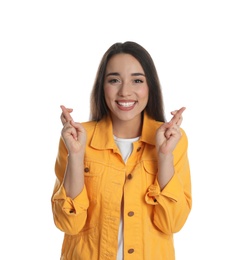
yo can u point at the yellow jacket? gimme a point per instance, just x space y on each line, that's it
151 216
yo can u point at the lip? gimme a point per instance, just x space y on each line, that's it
126 105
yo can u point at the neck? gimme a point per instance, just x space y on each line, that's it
127 129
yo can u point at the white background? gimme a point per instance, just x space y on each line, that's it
49 53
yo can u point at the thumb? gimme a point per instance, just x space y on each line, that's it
79 128
165 126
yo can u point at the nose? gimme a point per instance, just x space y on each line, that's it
125 90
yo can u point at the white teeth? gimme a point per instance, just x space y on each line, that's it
126 104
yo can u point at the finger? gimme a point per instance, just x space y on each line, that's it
174 112
166 126
177 117
172 131
180 119
179 122
66 113
79 128
70 129
63 119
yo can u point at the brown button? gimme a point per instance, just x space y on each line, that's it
139 148
130 213
71 211
129 176
86 169
130 251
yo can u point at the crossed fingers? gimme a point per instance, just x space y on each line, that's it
177 117
65 115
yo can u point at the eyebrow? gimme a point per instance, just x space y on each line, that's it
133 74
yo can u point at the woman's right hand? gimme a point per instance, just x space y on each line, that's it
73 134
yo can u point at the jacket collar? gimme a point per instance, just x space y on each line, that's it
149 130
103 134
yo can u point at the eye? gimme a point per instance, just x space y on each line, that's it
138 81
113 81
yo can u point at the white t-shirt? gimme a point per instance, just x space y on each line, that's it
125 146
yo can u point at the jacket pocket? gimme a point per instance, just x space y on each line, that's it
93 174
150 169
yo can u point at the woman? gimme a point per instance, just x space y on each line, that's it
123 183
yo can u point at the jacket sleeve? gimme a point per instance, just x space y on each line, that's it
173 204
69 214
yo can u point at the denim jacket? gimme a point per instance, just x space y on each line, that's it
151 216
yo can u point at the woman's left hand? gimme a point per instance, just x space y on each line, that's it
168 134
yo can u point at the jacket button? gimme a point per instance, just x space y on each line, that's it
129 176
130 251
86 169
130 213
138 149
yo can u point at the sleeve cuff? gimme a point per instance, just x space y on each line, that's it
172 190
69 205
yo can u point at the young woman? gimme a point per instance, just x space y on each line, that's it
123 183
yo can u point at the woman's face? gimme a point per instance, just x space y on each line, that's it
125 87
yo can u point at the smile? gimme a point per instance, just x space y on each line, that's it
126 104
